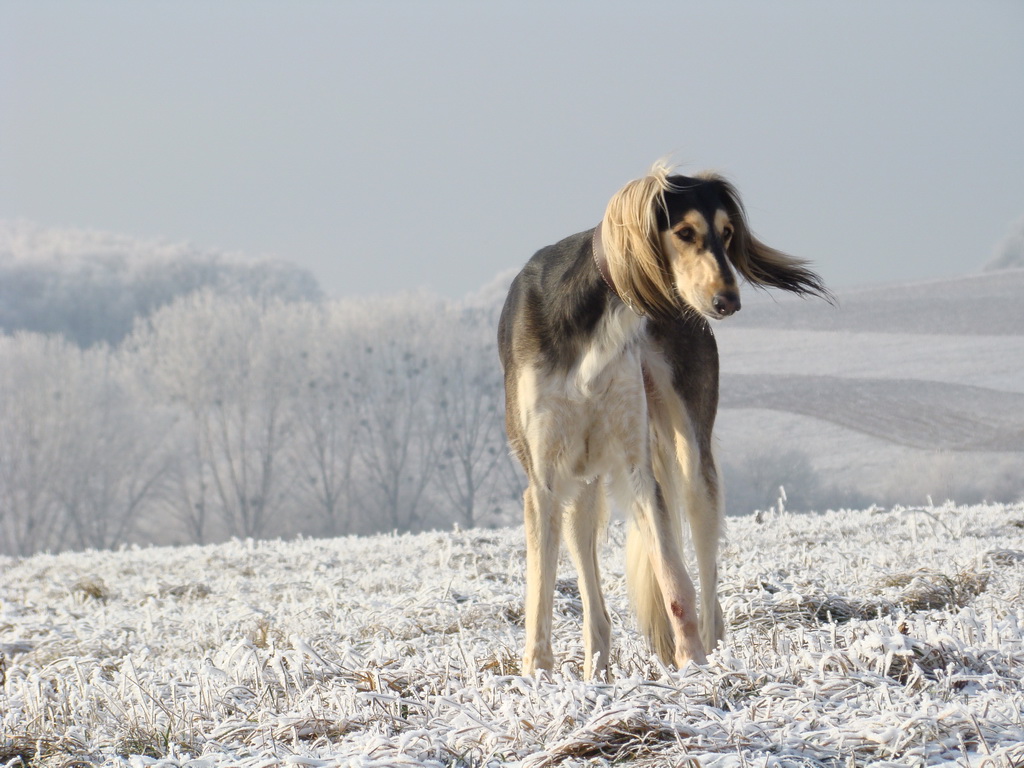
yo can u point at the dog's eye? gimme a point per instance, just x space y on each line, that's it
686 234
727 234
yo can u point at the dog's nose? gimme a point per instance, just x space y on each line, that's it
726 303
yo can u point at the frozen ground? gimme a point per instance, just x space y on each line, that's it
857 637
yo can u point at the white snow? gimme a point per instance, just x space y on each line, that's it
993 362
403 651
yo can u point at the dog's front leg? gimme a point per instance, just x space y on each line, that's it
543 517
585 519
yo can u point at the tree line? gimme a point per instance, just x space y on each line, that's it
224 416
92 287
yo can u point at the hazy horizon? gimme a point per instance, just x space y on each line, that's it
390 147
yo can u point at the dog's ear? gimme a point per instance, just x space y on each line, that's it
760 264
630 230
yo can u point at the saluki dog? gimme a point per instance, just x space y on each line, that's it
611 376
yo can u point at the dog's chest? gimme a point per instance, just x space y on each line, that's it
590 420
609 352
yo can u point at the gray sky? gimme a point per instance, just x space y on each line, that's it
398 145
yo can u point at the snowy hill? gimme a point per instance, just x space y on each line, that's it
911 412
986 304
854 638
901 392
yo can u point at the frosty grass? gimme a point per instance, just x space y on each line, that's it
854 638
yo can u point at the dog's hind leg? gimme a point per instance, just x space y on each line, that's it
657 539
687 472
704 512
586 519
543 517
683 406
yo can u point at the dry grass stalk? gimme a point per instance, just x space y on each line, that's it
616 736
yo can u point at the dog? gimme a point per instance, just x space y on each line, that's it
611 379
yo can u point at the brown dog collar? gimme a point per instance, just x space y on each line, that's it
601 259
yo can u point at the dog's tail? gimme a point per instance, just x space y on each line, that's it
645 594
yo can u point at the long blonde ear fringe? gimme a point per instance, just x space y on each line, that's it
633 246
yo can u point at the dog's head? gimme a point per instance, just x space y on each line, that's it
676 243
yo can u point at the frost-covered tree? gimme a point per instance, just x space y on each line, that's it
1009 252
113 462
31 395
229 364
80 454
398 420
395 383
254 416
470 403
92 286
173 349
325 411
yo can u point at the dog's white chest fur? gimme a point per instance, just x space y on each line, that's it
615 334
586 423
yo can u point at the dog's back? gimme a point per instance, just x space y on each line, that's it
552 307
549 304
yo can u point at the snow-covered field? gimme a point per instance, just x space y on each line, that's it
855 638
899 392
